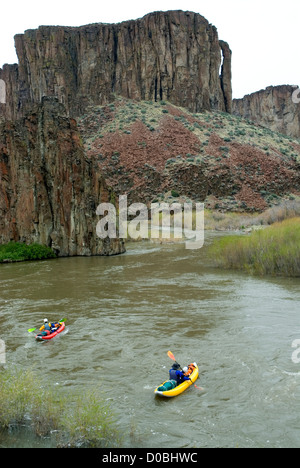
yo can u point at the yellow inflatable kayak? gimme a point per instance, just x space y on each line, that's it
180 388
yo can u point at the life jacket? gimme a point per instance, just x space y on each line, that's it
45 327
190 370
175 376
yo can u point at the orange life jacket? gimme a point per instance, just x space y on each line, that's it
190 370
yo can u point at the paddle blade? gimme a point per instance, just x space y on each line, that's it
199 388
31 330
171 356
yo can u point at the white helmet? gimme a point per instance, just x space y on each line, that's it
185 369
45 320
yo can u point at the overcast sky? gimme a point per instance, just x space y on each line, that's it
263 34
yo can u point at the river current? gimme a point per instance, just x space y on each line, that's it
125 312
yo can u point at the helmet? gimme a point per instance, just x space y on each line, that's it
176 366
45 320
185 369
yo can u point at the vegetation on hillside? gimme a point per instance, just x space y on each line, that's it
151 150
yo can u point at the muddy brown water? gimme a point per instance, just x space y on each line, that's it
125 312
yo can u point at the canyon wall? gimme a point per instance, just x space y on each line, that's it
174 56
273 108
49 189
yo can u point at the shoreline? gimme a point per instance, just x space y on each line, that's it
214 220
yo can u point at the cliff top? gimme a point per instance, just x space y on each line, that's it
173 14
271 88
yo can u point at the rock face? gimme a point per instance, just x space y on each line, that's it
273 108
174 56
50 187
49 190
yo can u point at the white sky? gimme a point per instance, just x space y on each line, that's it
264 35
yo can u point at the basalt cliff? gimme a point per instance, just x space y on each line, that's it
276 108
174 56
49 189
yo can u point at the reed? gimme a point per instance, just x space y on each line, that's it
274 250
90 422
78 420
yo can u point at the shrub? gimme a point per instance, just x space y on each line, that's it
90 423
17 251
16 390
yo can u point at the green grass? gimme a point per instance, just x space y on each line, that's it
17 251
274 250
84 420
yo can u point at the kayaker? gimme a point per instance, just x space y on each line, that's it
45 329
177 374
48 327
188 370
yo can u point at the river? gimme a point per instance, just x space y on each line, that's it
125 312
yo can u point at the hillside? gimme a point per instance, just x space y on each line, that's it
153 150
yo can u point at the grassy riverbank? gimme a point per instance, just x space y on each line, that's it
274 250
18 252
84 420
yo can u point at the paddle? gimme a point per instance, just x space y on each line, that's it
171 356
30 330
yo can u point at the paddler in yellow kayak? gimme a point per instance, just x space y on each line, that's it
177 375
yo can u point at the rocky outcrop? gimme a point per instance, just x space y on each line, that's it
273 108
174 56
49 189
